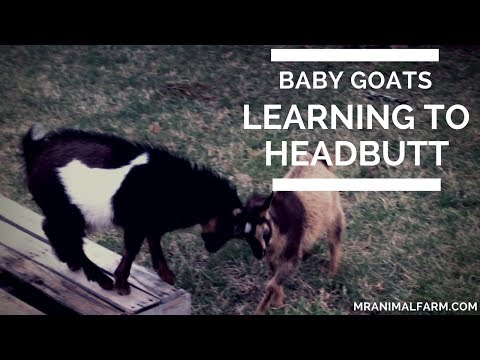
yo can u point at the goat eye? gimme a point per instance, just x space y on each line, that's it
236 211
267 235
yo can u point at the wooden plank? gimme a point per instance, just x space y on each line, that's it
56 287
181 305
140 277
17 214
42 254
10 305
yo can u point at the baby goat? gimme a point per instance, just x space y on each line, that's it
285 226
90 181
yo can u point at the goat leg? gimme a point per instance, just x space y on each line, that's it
278 297
133 243
264 304
334 236
274 295
158 260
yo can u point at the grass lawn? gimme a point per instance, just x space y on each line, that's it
398 246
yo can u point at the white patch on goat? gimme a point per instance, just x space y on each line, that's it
248 228
92 189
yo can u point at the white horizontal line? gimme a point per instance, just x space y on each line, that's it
295 184
354 55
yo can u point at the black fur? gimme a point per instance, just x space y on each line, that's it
166 194
287 213
254 214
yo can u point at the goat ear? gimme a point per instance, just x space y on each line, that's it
267 202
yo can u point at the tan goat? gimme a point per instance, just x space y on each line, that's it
286 225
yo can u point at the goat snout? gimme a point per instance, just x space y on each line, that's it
259 254
212 242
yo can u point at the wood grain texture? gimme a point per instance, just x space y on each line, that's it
56 287
147 288
10 305
42 254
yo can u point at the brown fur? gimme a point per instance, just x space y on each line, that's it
298 220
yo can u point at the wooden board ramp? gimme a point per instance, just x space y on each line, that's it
26 255
10 305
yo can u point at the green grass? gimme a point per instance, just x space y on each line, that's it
398 246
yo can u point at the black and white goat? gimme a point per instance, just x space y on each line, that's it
285 226
86 181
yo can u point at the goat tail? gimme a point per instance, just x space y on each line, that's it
31 143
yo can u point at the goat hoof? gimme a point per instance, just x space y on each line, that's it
105 282
106 285
261 310
332 273
74 267
122 289
278 302
168 276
